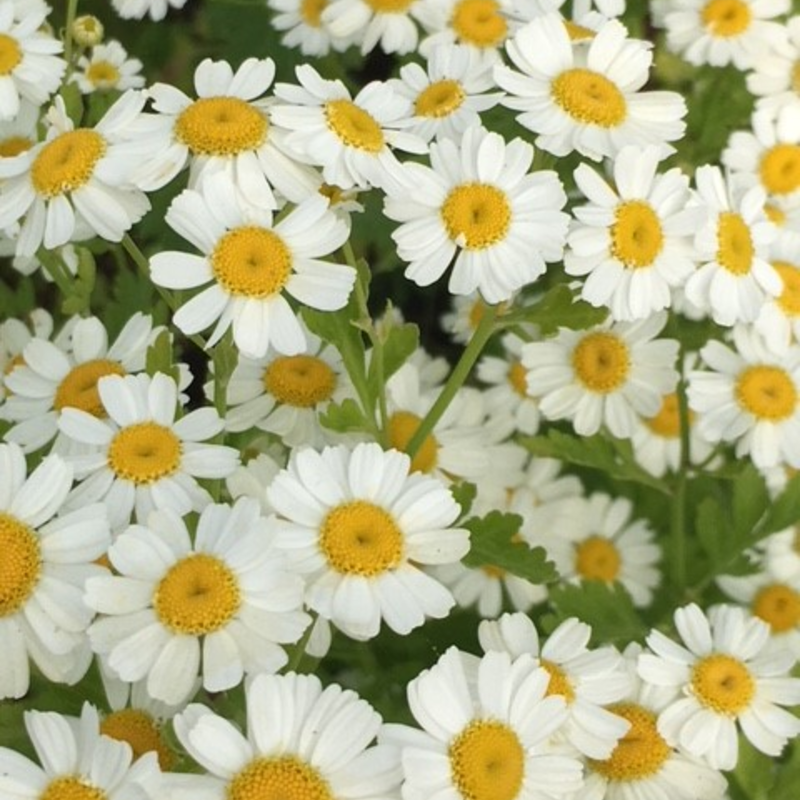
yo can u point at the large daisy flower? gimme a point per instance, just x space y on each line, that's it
141 457
587 99
47 557
360 527
390 26
478 204
304 28
725 677
250 262
774 79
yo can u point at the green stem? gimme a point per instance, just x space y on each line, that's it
72 12
55 268
678 507
298 649
456 380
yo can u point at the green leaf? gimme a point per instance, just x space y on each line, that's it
755 772
556 309
713 529
783 512
492 545
159 356
750 501
464 494
344 417
788 776
401 341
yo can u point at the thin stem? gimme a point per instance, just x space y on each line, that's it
72 12
298 650
678 507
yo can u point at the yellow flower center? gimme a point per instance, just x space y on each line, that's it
779 606
198 595
767 392
794 77
734 244
560 685
577 33
601 362
70 787
597 559
493 572
141 732
360 538
479 23
789 299
311 12
402 427
78 389
476 313
722 683
103 75
20 565
589 97
283 778
252 262
726 18
476 215
144 453
487 761
667 422
389 6
353 126
636 235
301 381
640 753
10 54
14 145
775 215
780 169
67 162
221 126
518 378
440 99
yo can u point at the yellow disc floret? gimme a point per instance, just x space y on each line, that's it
144 453
102 75
601 362
14 145
722 683
389 6
636 235
252 262
560 684
10 54
78 388
667 422
779 606
360 538
726 18
439 99
20 564
71 787
353 126
780 169
767 392
311 12
589 98
198 595
479 23
67 162
518 378
402 427
283 778
734 244
476 215
221 126
597 559
141 732
789 298
300 381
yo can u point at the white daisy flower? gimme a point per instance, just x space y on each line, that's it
360 526
778 321
725 677
108 68
250 262
485 729
302 741
136 9
64 374
14 335
721 32
775 79
587 99
19 134
77 180
47 557
478 203
350 139
633 243
30 68
302 21
750 396
782 554
77 761
252 479
390 26
218 607
606 375
140 456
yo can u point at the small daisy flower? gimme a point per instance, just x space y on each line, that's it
30 68
140 456
108 69
371 23
252 479
734 278
633 243
775 78
218 607
782 554
479 204
77 180
302 21
606 375
19 134
778 321
587 99
350 139
47 557
137 9
725 677
360 526
721 32
485 729
248 263
750 396
301 741
462 320
14 335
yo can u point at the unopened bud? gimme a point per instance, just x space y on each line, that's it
87 31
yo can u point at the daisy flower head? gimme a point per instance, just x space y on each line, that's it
302 21
721 32
15 334
387 24
774 78
77 181
19 133
141 455
108 68
782 554
360 526
30 67
727 682
352 139
778 321
485 725
155 624
464 316
248 265
587 99
137 9
302 740
632 243
606 375
749 396
47 557
478 204
734 278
